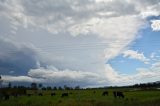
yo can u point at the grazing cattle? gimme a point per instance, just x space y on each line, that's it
94 92
118 94
40 94
53 94
64 94
105 93
6 93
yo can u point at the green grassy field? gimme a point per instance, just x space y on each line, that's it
87 98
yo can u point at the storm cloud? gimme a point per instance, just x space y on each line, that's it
16 59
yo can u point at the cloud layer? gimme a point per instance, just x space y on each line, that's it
71 41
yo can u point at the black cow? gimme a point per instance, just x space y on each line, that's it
105 93
64 94
53 94
4 94
118 94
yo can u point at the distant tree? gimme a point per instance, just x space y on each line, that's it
54 88
49 88
21 87
147 85
71 88
60 88
65 87
40 86
44 88
34 86
77 87
15 87
1 81
9 85
136 85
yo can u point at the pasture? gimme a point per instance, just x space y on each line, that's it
86 98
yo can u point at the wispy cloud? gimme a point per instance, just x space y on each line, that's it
135 55
9 78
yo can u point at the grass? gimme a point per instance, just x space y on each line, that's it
87 98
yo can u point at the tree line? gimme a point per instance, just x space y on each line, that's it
39 86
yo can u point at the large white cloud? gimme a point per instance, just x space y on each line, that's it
115 23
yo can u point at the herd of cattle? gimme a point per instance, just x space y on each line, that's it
115 94
5 95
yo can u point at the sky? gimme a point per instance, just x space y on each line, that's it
90 43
